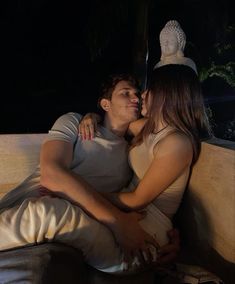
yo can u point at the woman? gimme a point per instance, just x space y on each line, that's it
165 146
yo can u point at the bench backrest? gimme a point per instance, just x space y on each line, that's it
19 156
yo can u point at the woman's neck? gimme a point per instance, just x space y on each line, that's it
159 127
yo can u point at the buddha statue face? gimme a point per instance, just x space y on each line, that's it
169 44
172 39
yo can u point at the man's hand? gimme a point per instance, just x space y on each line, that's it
168 253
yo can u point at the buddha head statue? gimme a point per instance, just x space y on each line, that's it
172 40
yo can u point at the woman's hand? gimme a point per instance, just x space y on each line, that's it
135 243
169 252
88 126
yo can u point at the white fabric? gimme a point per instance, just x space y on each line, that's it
140 158
38 220
45 219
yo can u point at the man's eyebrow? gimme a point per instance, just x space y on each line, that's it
128 88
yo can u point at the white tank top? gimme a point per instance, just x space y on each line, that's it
140 158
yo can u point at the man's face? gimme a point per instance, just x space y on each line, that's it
124 104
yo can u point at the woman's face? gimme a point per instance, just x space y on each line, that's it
146 102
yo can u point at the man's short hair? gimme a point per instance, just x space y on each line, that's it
110 83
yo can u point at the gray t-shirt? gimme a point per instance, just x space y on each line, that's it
102 162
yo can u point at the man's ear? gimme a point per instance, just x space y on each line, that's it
105 104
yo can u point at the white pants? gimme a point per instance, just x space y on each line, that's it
46 219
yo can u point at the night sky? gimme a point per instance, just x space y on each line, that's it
54 55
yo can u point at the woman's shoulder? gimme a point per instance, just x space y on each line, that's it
175 142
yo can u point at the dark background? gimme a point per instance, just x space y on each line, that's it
54 55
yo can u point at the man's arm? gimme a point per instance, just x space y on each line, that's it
55 160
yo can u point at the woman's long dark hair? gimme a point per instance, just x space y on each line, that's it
177 100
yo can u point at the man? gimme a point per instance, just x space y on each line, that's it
76 171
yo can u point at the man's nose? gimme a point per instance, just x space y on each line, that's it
134 98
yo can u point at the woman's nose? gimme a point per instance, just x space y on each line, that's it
143 95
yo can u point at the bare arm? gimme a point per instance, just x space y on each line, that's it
55 160
136 126
172 156
88 126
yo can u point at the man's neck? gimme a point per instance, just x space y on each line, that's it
117 127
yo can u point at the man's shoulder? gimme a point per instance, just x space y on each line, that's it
71 116
65 127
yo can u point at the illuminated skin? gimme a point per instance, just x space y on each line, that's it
145 103
122 108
